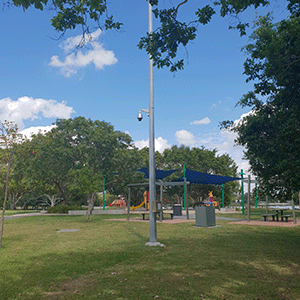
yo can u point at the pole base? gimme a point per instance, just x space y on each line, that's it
154 244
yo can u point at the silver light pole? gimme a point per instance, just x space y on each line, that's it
152 217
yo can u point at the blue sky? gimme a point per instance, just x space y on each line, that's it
42 79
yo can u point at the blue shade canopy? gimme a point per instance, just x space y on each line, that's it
159 174
204 178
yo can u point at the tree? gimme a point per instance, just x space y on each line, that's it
271 131
164 42
201 160
75 155
20 183
8 138
92 147
126 162
47 161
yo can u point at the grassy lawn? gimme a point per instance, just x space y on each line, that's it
108 260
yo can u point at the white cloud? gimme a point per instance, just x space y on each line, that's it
185 137
27 108
28 132
238 121
223 141
80 59
204 121
160 144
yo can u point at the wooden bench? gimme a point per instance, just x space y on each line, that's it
157 215
286 217
270 215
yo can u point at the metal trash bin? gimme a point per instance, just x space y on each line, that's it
205 216
177 210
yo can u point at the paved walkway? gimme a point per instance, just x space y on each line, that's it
31 215
176 219
268 223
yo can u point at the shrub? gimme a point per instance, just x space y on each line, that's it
63 209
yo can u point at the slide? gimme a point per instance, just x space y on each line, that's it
136 207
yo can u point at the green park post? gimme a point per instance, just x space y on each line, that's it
223 205
184 192
103 192
242 187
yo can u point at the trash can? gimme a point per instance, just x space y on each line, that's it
205 216
177 210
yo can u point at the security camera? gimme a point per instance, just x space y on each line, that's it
140 117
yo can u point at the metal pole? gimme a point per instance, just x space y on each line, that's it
152 218
248 204
103 192
256 192
187 200
242 188
161 202
128 205
184 191
293 209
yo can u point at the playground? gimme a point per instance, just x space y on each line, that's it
48 256
63 257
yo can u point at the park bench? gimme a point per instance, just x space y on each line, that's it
286 217
157 214
270 215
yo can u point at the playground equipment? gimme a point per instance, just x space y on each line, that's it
211 201
145 202
118 203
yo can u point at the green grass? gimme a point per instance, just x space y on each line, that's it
109 260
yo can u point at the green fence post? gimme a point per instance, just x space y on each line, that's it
184 192
242 188
223 195
103 192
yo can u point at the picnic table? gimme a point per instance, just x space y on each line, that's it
282 215
275 214
156 214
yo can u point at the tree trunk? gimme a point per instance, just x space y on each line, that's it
63 195
91 202
52 199
12 202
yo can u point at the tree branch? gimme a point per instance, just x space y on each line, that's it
183 2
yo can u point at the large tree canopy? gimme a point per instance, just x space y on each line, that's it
74 156
271 132
171 34
69 163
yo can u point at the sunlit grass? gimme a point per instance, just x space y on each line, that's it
109 260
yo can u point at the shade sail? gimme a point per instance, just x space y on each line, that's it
204 178
159 174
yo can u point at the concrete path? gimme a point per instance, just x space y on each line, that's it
31 215
191 216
